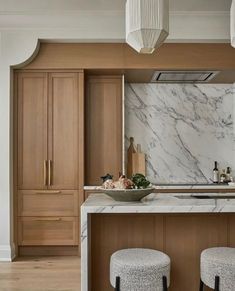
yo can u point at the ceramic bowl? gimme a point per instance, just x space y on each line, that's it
128 194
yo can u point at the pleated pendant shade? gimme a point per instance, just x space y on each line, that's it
232 23
147 24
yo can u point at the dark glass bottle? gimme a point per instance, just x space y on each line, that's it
228 174
216 173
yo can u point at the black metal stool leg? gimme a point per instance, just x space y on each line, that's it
117 286
216 283
164 283
201 285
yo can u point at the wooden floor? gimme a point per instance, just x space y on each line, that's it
41 274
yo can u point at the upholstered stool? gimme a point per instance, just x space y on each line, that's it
140 270
218 269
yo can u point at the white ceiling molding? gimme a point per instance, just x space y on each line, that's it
199 13
103 12
62 12
175 5
232 23
185 26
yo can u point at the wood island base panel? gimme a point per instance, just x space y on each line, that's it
181 228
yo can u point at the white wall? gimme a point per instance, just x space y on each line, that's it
19 35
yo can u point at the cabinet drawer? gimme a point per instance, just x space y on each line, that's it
47 203
48 231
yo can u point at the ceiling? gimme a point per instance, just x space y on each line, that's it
175 5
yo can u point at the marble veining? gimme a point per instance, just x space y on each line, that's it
183 129
161 203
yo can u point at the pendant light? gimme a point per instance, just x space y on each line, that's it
147 24
232 23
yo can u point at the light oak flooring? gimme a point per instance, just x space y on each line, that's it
41 274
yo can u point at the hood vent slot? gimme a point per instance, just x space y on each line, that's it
183 76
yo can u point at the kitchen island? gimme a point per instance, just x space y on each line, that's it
179 224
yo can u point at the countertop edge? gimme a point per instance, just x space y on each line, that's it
177 187
158 203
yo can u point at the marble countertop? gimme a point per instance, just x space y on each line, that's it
193 186
162 203
178 186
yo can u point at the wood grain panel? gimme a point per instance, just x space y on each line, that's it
14 148
185 239
32 130
39 251
48 203
41 273
231 231
81 135
103 128
120 56
114 232
64 130
48 231
182 237
49 108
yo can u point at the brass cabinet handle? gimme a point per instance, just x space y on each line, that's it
48 192
49 172
45 172
48 219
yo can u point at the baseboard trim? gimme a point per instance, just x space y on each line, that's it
7 253
48 251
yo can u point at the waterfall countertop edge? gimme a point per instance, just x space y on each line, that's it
162 203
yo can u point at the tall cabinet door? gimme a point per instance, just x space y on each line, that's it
63 131
103 127
32 130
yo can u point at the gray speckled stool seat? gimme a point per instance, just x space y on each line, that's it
218 269
140 270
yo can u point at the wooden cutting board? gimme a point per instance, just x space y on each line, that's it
131 150
138 162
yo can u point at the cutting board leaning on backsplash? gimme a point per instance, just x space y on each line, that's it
135 160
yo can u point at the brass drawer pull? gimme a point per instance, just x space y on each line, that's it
49 172
49 219
45 172
48 192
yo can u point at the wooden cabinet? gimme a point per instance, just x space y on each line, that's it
50 149
48 203
103 127
48 231
32 130
63 131
50 156
48 133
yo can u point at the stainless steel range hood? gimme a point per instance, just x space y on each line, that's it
183 76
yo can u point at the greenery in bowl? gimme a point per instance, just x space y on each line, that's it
140 181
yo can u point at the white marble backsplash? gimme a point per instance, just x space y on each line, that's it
183 129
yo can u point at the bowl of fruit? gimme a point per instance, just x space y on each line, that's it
125 189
